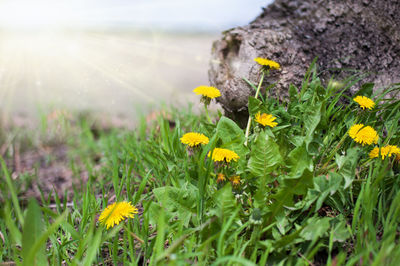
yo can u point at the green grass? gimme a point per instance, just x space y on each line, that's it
308 195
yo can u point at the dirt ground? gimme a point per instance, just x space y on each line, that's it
51 166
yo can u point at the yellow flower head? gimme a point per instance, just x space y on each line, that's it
220 178
219 155
235 180
364 135
209 92
388 150
265 119
194 139
266 62
354 130
364 102
116 212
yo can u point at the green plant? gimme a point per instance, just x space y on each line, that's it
301 192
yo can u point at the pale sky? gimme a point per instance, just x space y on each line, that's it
213 15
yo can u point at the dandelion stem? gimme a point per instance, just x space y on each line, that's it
207 115
249 121
330 157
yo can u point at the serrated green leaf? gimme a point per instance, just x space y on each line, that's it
340 231
325 186
288 239
366 89
232 137
229 131
334 182
296 182
264 157
348 164
321 199
311 118
255 105
284 197
282 223
300 184
180 201
316 228
298 161
224 201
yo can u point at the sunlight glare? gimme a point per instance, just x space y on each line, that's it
58 52
36 14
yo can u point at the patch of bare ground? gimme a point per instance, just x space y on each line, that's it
39 162
44 171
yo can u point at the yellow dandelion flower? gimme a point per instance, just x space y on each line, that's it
375 153
219 155
220 178
209 92
367 135
235 180
116 212
363 135
354 130
364 102
194 139
265 119
266 62
387 150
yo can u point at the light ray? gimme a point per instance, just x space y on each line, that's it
42 62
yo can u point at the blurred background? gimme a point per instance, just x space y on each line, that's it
113 57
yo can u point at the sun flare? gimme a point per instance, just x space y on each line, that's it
80 54
37 14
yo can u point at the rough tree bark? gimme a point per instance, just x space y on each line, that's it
356 34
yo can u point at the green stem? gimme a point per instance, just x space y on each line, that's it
249 121
207 115
333 153
330 157
255 236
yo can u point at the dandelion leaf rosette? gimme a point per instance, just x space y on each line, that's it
316 228
347 165
225 203
180 202
296 182
323 188
264 157
312 118
339 228
298 162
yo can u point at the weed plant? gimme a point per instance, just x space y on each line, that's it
300 193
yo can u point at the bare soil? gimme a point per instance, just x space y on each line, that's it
44 171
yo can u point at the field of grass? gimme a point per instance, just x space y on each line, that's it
302 192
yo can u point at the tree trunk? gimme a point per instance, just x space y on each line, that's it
354 34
